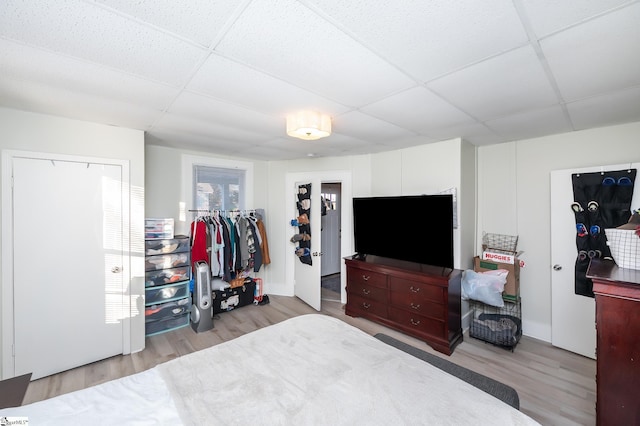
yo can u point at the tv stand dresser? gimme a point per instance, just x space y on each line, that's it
422 301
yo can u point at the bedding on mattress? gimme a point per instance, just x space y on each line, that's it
311 369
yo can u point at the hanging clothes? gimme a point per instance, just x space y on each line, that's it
264 245
198 240
256 255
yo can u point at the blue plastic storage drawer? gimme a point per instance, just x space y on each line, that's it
166 293
179 244
166 276
160 326
167 310
166 261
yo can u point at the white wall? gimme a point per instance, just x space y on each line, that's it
26 131
514 194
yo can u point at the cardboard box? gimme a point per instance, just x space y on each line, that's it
512 287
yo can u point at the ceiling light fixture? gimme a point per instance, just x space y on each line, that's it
308 125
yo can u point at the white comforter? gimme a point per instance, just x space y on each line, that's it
311 369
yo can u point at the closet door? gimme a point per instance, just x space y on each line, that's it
67 264
572 316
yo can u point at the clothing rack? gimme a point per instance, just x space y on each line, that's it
244 212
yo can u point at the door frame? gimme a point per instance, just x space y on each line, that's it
346 217
331 232
6 287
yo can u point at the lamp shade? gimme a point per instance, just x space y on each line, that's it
308 125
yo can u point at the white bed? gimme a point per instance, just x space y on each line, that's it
311 369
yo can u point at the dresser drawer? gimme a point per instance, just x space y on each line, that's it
419 323
357 276
166 293
366 306
416 304
368 292
419 290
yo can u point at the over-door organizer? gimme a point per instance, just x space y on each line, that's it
420 300
167 297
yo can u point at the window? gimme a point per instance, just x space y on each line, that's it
217 188
330 201
210 183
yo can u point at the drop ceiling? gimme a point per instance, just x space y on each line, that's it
220 76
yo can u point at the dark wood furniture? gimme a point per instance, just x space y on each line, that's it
420 300
617 294
13 390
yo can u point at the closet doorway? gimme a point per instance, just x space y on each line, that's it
65 273
330 234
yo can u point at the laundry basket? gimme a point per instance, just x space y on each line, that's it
625 247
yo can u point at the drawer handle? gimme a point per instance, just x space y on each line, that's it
414 289
366 277
414 322
366 305
415 306
365 291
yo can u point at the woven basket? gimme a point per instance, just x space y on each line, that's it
625 247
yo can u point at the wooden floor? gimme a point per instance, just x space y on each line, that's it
556 387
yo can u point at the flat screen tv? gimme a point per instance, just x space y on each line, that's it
416 228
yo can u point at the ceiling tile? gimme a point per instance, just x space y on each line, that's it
614 108
596 57
475 133
198 20
241 85
36 97
333 145
205 108
44 67
365 127
417 109
503 85
289 41
430 38
85 31
176 138
530 124
213 130
548 16
266 153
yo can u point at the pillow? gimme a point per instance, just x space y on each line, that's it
485 287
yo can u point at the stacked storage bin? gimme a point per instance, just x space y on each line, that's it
167 296
500 325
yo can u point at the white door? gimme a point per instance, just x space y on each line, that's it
331 230
307 277
67 262
302 279
572 315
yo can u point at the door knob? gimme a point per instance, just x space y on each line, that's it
116 269
557 267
